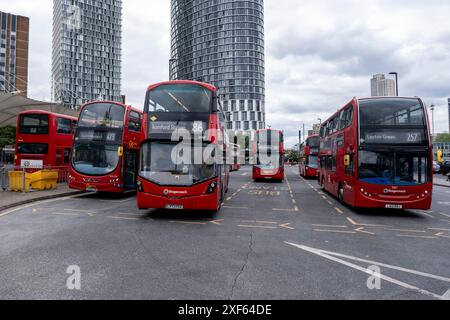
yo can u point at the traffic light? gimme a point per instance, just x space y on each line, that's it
440 156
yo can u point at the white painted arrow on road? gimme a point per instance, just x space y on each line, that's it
333 257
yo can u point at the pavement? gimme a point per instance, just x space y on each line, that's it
282 241
441 180
13 199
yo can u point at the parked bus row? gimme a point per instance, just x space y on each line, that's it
373 152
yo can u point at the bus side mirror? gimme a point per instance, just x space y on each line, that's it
346 160
120 151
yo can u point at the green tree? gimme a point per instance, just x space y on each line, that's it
7 136
443 137
292 155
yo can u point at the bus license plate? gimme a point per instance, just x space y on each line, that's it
91 189
174 207
394 206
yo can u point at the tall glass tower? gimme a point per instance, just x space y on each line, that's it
86 61
222 42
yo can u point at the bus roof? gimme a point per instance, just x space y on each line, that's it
47 112
362 99
112 102
205 85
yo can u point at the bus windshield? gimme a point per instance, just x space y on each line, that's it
185 98
313 142
34 124
391 168
313 162
157 166
102 115
95 158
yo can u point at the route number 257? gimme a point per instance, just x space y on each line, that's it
413 137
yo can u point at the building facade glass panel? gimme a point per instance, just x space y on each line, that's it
222 42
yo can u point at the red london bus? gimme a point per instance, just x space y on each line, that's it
377 153
44 139
237 157
106 148
194 178
309 156
269 155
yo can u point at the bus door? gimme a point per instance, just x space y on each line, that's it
130 169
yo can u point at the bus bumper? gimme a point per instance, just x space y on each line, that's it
97 187
203 202
419 201
259 174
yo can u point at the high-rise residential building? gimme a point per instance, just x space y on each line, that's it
14 41
87 43
221 42
382 86
449 115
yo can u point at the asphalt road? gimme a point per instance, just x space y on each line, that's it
270 241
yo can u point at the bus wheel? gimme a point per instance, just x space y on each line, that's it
341 194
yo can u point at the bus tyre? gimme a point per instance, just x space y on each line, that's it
341 194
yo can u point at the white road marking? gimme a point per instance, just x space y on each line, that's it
228 207
244 174
444 214
35 204
328 226
122 218
335 231
332 256
261 227
339 210
417 237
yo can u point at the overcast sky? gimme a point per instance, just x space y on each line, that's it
319 53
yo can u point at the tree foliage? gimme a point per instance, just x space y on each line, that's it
7 136
443 137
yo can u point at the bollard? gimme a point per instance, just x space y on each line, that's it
24 178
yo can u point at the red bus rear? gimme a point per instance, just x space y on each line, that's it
376 153
106 148
237 157
309 157
191 179
44 139
269 155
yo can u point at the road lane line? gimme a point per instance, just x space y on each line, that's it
66 214
228 207
404 230
335 231
444 214
262 222
260 227
121 218
189 222
332 256
328 226
417 237
339 210
438 229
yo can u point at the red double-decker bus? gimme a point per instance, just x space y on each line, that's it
106 148
309 157
44 139
189 173
269 155
377 153
237 157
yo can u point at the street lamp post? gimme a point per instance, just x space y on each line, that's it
432 117
396 81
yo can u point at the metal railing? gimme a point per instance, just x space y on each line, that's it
63 174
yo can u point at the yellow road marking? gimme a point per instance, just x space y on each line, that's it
361 230
287 226
339 210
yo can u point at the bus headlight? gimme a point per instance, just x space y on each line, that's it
212 188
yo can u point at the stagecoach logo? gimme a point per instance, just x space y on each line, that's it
394 191
167 192
153 118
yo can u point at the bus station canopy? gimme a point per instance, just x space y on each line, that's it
11 104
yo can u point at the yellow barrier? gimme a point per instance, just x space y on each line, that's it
40 180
